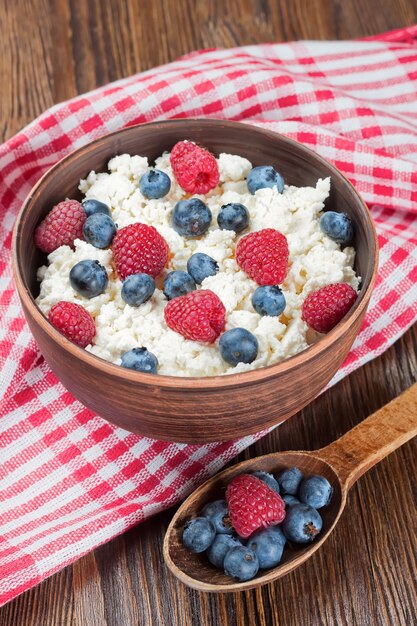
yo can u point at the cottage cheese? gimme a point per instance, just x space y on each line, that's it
314 261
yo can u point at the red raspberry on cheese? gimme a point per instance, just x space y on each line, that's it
324 308
63 224
139 249
195 168
199 315
263 255
74 322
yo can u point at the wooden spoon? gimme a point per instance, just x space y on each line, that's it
341 462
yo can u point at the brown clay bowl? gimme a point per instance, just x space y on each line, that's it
192 409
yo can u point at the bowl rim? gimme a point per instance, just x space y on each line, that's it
195 383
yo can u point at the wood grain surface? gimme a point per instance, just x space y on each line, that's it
365 575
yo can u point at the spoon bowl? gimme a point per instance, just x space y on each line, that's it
342 463
196 571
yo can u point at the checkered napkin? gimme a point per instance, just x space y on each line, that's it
70 481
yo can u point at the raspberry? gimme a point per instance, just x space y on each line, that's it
74 322
198 315
324 308
139 249
195 168
263 255
253 505
63 224
180 150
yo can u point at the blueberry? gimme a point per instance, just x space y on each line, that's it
88 278
178 283
218 513
191 218
268 300
91 207
198 534
141 360
268 545
302 523
290 500
337 226
241 563
289 480
137 289
315 491
154 184
264 176
233 216
268 479
99 230
201 265
220 547
238 345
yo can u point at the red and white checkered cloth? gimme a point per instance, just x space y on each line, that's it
70 481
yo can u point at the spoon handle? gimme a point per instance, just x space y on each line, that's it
373 439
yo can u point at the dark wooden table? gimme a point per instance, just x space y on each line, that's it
366 573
